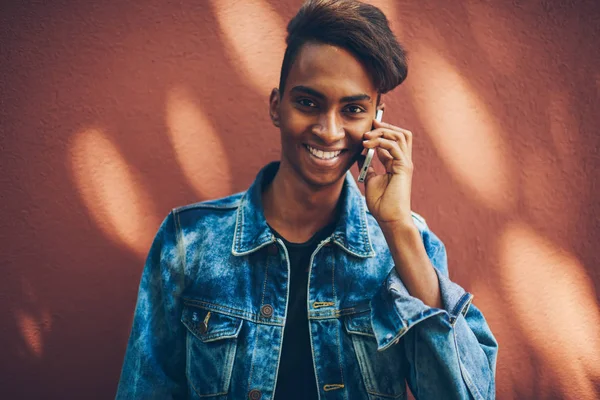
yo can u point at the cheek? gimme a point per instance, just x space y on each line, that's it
356 132
355 135
295 124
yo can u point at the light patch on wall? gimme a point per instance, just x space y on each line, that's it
33 328
555 304
462 129
112 193
254 34
197 145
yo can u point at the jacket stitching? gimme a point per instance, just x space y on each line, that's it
364 226
394 396
282 332
262 300
205 395
253 356
339 345
233 312
464 301
465 374
333 279
345 247
211 204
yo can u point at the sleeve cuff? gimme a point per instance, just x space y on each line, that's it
394 311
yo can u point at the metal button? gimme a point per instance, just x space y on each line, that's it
273 249
266 311
254 394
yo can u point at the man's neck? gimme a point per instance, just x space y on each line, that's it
297 210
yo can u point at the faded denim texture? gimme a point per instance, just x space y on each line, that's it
201 329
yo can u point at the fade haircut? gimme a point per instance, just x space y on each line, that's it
360 28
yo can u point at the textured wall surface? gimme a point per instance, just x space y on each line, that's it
114 112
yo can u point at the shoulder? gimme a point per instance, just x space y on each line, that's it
223 203
209 211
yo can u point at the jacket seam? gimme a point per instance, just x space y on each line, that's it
395 396
233 312
405 329
237 236
262 299
256 328
465 374
211 204
364 224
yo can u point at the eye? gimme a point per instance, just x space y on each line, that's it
306 103
352 109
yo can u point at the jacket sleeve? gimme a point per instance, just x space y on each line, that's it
154 365
452 351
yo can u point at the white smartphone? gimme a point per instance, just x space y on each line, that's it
370 153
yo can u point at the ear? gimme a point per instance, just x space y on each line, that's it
274 104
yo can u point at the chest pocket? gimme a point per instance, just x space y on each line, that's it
211 345
383 372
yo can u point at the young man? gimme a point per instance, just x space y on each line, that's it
300 287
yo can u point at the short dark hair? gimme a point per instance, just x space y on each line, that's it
360 28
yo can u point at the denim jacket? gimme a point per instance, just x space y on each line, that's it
211 312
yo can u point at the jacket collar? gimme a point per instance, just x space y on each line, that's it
252 232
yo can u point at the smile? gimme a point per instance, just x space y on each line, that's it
323 155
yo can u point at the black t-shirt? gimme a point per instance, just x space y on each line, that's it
296 377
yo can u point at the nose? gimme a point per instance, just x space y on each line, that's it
329 128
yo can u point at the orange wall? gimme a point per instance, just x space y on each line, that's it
113 113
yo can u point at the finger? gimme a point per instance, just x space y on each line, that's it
391 127
383 132
403 145
409 141
402 139
397 130
383 155
390 145
386 125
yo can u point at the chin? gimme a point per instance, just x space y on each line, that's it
322 178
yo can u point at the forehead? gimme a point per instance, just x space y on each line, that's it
332 70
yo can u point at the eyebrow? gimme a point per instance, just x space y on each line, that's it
319 95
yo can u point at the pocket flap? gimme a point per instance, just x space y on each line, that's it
359 324
208 325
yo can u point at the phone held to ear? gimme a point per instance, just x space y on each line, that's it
370 153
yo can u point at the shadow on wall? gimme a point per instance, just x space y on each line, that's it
117 114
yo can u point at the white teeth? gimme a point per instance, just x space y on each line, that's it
325 155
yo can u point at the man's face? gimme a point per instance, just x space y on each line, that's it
328 104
